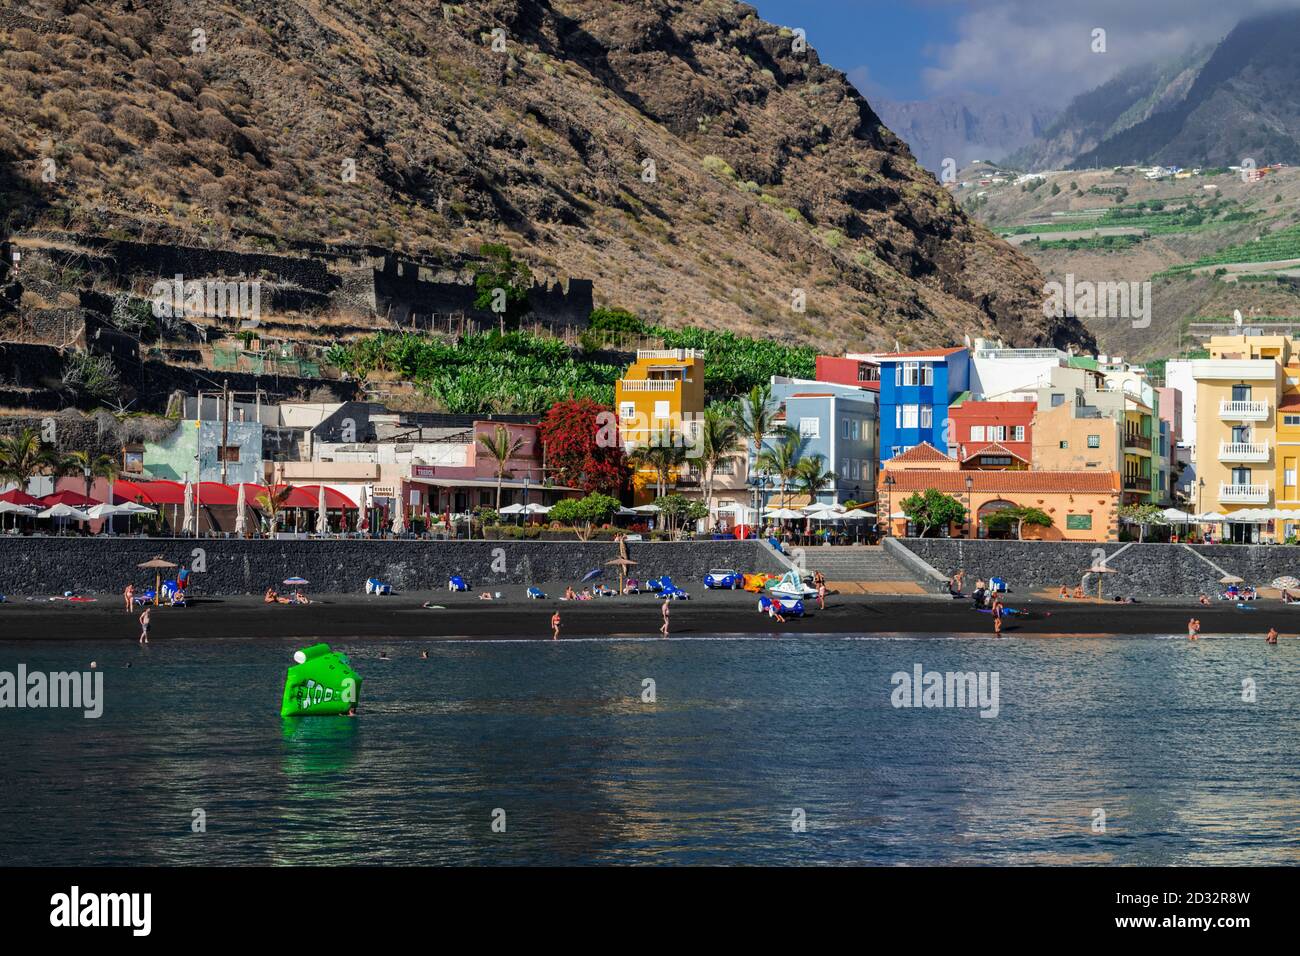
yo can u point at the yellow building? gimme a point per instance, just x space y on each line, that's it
1247 439
660 398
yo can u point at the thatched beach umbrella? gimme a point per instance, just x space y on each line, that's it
157 564
623 564
1100 568
399 517
241 505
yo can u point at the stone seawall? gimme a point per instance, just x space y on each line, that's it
50 565
1142 570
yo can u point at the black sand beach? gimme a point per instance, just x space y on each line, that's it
465 616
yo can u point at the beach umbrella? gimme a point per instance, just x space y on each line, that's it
241 519
296 582
857 514
322 515
591 575
105 510
399 518
1286 583
189 506
536 509
1231 579
623 564
1100 568
8 508
157 564
1210 517
64 511
626 512
647 509
512 510
16 496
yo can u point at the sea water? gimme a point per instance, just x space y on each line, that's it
1150 750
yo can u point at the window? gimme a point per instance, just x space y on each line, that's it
977 433
1288 473
627 410
997 433
661 410
1058 398
1065 444
844 428
810 427
927 416
911 373
1018 433
1291 419
911 416
1241 476
228 453
1094 441
1241 393
857 429
927 374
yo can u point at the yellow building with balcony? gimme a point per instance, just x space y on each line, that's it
660 398
1248 434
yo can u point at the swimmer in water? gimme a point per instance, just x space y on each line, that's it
1271 637
1193 628
383 655
424 655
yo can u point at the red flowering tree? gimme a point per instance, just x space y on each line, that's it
582 445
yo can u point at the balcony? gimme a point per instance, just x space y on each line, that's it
669 355
1243 494
1243 411
1243 451
650 384
1137 441
1136 483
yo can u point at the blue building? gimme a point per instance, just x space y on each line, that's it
837 422
915 391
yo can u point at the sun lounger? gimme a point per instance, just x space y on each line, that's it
457 583
376 586
536 594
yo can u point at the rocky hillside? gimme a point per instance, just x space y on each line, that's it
697 163
963 129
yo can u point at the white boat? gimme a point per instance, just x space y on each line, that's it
791 585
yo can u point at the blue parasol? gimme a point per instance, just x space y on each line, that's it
591 575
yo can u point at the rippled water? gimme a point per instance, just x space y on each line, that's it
743 732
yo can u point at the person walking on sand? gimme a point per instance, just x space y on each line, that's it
128 595
1271 637
664 629
144 625
821 596
1193 628
555 626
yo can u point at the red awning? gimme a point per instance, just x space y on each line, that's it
72 498
150 492
212 493
16 496
334 499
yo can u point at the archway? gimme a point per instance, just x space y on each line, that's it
997 531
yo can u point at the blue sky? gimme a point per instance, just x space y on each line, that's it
1038 51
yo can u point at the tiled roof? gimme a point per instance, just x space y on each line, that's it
1010 482
994 448
922 452
1289 401
924 353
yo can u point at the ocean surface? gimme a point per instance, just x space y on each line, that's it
743 740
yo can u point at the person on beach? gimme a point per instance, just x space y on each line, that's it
959 579
144 625
1065 592
1204 600
1193 628
1078 591
555 626
664 609
128 595
821 596
1271 637
569 594
774 610
270 597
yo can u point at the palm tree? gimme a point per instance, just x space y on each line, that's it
783 458
273 504
23 456
90 467
814 477
720 438
501 447
661 455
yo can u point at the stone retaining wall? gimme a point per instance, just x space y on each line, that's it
52 565
1142 570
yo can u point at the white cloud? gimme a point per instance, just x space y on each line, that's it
1041 50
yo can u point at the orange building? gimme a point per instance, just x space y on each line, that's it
1083 506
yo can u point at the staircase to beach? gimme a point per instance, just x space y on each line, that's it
861 569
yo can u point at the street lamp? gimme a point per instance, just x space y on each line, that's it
970 518
889 489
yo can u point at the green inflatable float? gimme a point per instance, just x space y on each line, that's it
321 683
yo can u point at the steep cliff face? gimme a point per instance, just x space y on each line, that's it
698 164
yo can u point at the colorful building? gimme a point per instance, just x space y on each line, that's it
662 390
837 422
974 426
915 391
1076 438
1083 506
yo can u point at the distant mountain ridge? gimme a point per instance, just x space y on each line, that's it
1128 99
963 129
1244 103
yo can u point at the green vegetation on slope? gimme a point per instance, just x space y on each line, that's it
1283 244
